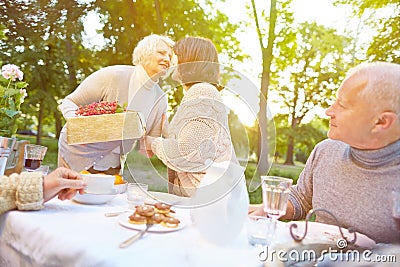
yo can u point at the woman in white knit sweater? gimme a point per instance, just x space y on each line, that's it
199 130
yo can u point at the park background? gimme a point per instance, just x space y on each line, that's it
294 52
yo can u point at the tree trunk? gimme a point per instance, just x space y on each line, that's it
263 149
58 123
160 22
289 152
290 144
40 123
263 165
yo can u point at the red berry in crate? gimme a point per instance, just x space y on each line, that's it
99 108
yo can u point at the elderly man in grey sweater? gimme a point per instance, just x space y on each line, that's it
353 173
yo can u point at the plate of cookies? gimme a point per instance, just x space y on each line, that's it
160 214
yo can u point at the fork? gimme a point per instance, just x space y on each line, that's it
135 237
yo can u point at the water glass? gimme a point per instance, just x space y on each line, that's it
136 194
275 193
259 230
33 156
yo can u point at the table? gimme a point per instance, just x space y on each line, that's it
66 233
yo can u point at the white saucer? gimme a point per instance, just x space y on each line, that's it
95 199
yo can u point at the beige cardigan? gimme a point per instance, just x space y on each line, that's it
198 131
21 191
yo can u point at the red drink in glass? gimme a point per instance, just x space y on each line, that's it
32 164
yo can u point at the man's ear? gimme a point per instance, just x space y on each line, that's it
386 120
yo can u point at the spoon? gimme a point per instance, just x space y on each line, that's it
135 237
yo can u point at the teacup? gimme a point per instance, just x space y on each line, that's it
99 183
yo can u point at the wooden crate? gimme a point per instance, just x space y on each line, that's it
108 127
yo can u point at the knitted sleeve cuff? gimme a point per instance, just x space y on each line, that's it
29 195
297 210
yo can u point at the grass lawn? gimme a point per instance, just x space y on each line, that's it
154 173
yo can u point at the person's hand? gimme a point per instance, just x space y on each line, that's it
256 210
62 182
145 146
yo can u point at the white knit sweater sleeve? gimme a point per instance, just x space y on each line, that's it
21 191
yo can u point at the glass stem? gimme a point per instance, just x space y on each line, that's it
272 231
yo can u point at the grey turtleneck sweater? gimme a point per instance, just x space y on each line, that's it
355 185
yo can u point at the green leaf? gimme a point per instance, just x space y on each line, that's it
119 109
21 85
11 92
11 113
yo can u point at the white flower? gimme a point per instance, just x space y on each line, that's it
23 93
12 95
11 71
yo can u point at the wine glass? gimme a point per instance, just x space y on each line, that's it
33 156
275 193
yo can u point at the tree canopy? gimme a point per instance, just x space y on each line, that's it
45 38
126 22
384 17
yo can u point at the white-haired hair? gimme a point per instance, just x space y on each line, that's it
383 83
147 46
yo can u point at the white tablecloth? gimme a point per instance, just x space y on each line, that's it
66 233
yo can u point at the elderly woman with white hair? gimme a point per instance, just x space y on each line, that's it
136 85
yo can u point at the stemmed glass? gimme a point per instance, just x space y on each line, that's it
275 193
